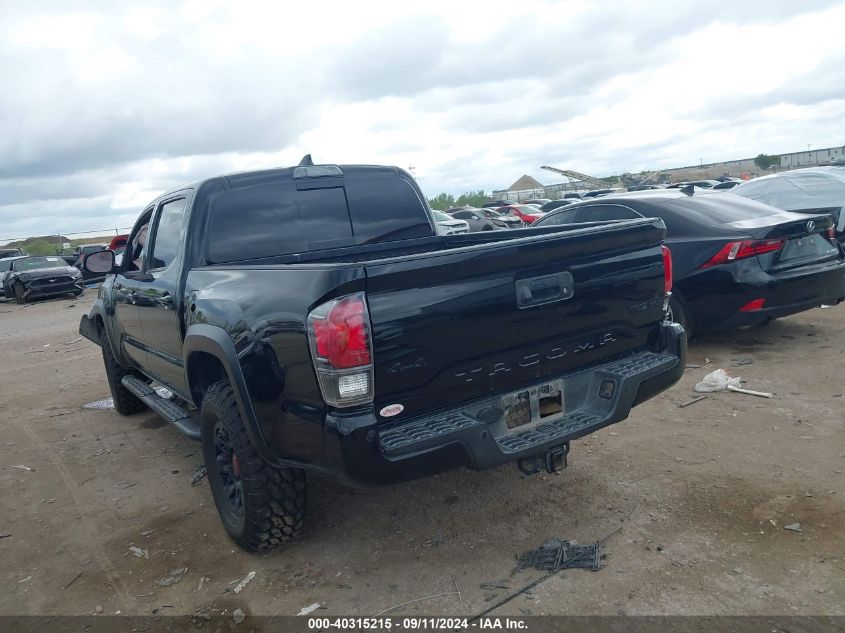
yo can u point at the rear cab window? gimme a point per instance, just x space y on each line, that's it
278 214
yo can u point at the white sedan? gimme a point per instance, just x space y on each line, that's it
447 225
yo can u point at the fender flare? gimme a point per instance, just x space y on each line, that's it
215 341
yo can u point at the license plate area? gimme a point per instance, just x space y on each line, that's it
533 406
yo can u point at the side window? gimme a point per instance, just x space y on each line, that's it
564 217
133 255
462 215
385 209
605 212
168 234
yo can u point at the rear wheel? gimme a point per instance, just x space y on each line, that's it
260 506
487 227
678 314
125 402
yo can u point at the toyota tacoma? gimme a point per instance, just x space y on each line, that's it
311 319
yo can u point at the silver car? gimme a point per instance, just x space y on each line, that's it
486 219
447 225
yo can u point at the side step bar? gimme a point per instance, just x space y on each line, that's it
170 411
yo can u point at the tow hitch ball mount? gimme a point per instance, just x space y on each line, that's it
552 460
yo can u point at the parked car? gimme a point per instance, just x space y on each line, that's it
317 322
556 204
495 204
486 220
643 187
572 195
36 276
5 265
726 184
538 201
11 252
595 193
812 190
447 225
526 213
736 262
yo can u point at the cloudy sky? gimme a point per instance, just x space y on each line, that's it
106 104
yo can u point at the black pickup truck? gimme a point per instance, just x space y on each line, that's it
310 318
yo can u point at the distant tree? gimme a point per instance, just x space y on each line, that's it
471 199
611 180
442 202
766 161
447 200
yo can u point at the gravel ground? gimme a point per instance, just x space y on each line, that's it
696 499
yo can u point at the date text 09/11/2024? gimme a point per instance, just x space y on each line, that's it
416 624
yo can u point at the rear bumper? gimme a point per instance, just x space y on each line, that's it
784 294
372 454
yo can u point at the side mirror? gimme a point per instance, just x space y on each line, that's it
99 262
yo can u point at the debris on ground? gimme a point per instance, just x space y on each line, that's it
737 362
22 467
692 401
172 577
197 477
239 587
560 554
140 553
494 585
720 380
98 609
793 527
309 609
147 532
202 581
5 534
693 366
107 403
238 616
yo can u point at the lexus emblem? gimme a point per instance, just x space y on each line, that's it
52 281
811 226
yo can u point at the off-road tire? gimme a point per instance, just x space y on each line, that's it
273 499
125 402
678 311
19 294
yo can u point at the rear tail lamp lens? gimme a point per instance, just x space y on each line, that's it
753 306
342 350
733 251
667 270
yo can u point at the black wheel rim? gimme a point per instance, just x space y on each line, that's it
228 471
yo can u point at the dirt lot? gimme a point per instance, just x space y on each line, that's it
701 494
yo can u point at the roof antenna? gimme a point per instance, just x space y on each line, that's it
306 161
688 190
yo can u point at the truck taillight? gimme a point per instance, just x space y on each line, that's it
667 270
342 350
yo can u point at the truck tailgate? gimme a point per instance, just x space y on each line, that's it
479 320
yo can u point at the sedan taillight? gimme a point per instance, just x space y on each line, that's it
733 251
